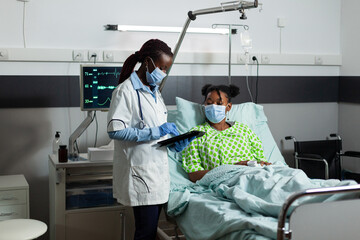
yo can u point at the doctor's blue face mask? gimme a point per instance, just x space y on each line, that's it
215 113
156 76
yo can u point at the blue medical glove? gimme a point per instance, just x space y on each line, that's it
168 128
180 145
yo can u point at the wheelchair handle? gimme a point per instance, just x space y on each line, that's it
289 137
335 135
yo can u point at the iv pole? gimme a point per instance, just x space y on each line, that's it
225 7
231 31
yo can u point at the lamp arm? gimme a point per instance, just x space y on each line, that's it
225 7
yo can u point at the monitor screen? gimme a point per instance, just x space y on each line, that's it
97 83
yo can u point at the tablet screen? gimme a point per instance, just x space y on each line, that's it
187 135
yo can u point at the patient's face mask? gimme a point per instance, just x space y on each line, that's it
156 76
215 113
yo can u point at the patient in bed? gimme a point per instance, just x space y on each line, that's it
229 199
224 142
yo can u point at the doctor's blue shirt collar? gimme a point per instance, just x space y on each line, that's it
138 85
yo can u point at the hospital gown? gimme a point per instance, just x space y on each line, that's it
215 148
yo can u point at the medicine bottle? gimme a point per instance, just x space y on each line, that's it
56 143
63 153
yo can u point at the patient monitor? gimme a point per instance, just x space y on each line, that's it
97 83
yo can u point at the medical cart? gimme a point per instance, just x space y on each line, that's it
81 203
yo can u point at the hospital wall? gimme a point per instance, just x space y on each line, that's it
28 129
349 106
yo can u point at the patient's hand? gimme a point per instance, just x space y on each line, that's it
262 163
241 163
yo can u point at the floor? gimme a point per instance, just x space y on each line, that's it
168 230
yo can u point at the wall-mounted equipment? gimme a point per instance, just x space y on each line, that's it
97 82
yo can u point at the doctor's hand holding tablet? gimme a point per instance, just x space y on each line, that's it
137 120
175 144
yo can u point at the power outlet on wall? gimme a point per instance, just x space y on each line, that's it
78 55
108 56
4 54
93 55
265 59
243 58
318 60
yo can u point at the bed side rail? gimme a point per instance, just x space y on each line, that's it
283 233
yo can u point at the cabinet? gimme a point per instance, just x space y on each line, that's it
81 203
14 197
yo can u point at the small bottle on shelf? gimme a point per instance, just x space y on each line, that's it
56 143
63 154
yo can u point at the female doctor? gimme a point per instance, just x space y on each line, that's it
137 121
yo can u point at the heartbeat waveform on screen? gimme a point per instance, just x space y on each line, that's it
105 87
101 104
115 73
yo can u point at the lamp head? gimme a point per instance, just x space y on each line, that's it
243 15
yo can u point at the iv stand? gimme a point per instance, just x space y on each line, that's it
232 30
225 7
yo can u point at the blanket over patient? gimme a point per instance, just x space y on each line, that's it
239 202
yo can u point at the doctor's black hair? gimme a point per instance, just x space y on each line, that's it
230 90
153 48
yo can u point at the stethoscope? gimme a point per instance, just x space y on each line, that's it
142 124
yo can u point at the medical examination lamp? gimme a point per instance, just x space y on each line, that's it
133 28
224 7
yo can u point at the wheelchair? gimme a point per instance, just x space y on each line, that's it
322 159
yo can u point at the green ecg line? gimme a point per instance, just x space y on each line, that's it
115 73
106 87
101 104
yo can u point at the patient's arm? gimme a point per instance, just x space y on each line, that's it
194 176
241 163
262 163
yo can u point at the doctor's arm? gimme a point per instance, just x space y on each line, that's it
135 134
145 134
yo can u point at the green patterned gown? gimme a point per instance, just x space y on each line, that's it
215 148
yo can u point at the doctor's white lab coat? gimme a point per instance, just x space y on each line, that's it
140 170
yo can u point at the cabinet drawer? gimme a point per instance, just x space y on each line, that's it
12 211
12 197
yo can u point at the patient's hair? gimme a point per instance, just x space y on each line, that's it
230 90
153 48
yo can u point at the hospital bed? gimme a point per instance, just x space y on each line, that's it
211 210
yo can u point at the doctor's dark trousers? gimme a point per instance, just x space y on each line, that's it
146 221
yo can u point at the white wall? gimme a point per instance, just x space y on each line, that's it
349 113
27 133
304 121
350 38
79 24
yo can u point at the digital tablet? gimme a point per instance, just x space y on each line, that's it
187 135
